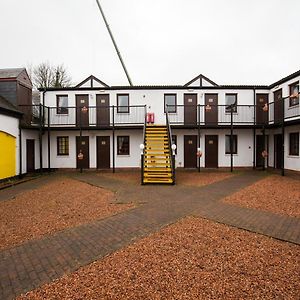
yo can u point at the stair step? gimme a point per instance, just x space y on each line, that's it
154 180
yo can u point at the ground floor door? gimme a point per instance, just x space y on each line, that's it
211 151
82 146
278 151
261 145
30 156
190 151
103 152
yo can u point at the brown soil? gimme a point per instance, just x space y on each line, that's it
55 206
275 193
193 259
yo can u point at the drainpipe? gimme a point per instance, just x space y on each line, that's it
254 129
20 150
283 138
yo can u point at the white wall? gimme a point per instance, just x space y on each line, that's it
69 161
32 135
10 125
243 158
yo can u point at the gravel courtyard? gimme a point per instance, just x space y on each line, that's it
274 193
60 204
104 236
192 259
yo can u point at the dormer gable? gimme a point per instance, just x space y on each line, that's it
200 81
92 82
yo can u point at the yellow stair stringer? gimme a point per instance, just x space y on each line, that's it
157 156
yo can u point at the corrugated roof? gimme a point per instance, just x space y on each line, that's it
11 73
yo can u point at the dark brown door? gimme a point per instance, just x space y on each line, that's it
278 151
102 102
262 115
82 110
103 152
190 151
82 145
211 151
190 109
211 109
30 156
278 109
260 147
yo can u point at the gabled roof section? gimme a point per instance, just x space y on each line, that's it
10 73
200 81
91 82
287 78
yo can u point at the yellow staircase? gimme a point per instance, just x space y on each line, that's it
157 164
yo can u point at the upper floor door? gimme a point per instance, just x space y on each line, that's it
211 109
278 106
262 114
190 109
102 102
82 110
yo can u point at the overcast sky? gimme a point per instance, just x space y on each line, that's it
161 41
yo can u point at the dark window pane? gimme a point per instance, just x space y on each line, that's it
62 145
123 145
234 144
123 103
62 104
170 103
294 90
294 143
231 99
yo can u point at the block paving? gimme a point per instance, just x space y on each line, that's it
36 262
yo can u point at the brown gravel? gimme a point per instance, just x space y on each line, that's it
275 193
182 177
55 206
193 259
200 179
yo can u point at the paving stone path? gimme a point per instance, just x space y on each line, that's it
40 261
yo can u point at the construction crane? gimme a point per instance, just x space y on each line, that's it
114 42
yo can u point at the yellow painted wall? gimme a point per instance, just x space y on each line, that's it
7 155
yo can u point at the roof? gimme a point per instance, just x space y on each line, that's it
8 108
201 77
289 77
92 78
11 73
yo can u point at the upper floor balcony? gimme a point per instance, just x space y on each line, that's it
208 115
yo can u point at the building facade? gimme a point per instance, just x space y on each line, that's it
213 126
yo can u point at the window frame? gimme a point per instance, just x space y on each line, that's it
175 105
291 100
296 146
235 143
118 144
58 148
123 106
59 108
227 106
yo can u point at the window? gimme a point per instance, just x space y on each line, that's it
294 143
294 90
227 144
174 141
170 100
231 99
123 145
62 145
123 103
62 104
